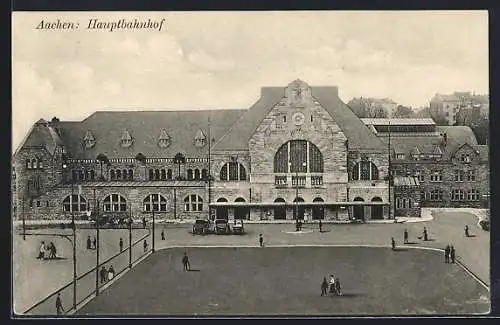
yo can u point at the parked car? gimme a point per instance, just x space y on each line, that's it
238 227
201 227
222 226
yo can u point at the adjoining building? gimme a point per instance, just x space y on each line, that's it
450 105
298 152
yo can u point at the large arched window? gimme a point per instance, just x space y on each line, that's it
364 171
114 203
233 171
163 174
298 156
75 203
190 174
112 175
196 174
156 202
193 203
130 174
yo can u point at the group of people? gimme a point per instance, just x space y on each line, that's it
47 251
106 275
331 287
449 254
91 244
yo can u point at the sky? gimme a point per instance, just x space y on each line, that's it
203 60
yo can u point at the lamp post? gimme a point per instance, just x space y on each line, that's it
153 239
73 226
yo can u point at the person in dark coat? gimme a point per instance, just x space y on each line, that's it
452 254
103 275
121 245
144 223
185 262
447 254
320 226
145 245
405 236
393 243
261 240
467 231
59 306
324 287
94 243
52 250
89 243
162 235
338 288
426 236
41 252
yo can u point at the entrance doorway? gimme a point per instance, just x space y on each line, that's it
298 210
377 210
279 211
221 212
318 211
240 212
358 211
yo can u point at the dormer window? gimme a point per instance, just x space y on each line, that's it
126 140
200 140
88 140
164 139
465 158
415 153
400 156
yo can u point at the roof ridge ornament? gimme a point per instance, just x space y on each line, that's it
164 139
200 139
126 139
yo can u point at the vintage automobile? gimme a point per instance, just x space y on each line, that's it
485 224
222 226
201 227
238 227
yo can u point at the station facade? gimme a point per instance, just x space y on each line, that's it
299 152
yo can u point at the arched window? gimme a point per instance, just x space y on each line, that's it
156 202
193 203
151 175
87 175
233 171
40 164
114 203
163 175
124 174
196 174
118 174
28 164
189 174
169 174
92 175
112 174
241 212
157 174
130 174
298 156
204 173
398 203
364 171
75 203
33 163
81 175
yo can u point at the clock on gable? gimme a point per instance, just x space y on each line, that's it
298 118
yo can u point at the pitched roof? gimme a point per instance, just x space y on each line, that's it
358 135
41 135
398 121
237 137
145 128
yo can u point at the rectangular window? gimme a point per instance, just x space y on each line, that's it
400 156
38 204
471 175
31 203
436 176
459 175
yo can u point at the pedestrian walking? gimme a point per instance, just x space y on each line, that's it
331 285
59 306
121 244
324 287
405 236
447 254
320 226
103 275
111 273
426 236
89 243
162 235
338 288
41 251
261 240
94 243
393 243
52 250
185 262
467 231
144 222
145 245
452 254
